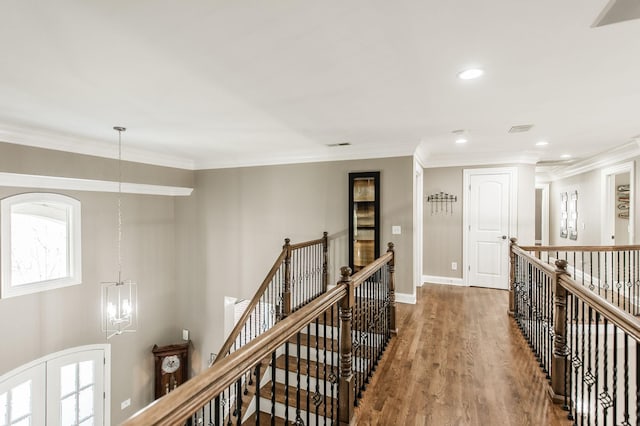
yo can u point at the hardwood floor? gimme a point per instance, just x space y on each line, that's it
458 359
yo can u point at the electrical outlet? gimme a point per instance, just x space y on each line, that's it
185 334
124 404
454 266
396 230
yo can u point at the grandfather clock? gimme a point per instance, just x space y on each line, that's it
171 367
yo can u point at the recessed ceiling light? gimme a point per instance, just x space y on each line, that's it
461 136
565 156
542 143
470 74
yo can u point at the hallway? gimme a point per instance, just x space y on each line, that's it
458 359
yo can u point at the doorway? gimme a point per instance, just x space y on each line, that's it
489 220
618 204
542 214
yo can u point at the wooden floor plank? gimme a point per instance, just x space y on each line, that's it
458 359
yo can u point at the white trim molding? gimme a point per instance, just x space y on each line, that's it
409 299
612 156
433 279
76 184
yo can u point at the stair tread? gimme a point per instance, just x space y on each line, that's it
313 366
320 341
325 401
265 419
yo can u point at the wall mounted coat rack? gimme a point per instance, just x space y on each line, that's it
441 203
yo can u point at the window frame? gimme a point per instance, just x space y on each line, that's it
74 244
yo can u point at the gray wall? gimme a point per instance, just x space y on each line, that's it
590 198
39 324
443 234
232 229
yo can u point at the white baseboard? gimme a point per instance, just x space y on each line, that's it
432 279
406 298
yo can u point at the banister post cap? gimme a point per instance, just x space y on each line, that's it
325 234
287 241
561 264
513 240
345 271
390 246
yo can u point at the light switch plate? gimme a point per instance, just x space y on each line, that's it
396 230
185 334
124 404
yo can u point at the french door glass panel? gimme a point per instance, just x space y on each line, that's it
75 389
22 398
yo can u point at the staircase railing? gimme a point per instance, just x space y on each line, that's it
328 349
587 345
298 275
613 272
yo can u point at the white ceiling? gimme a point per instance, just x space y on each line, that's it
205 83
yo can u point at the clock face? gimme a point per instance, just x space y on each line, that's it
170 364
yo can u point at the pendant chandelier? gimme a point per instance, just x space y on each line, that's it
119 298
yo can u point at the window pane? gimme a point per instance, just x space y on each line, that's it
85 403
3 409
39 242
86 373
21 400
88 422
68 380
68 411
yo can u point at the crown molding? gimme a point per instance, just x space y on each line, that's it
74 184
316 156
39 138
615 155
476 159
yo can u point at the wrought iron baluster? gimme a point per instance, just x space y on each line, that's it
308 371
615 374
298 356
626 379
273 389
257 394
286 382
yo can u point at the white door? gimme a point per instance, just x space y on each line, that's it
488 218
22 397
75 385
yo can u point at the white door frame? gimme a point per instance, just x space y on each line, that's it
513 208
544 213
608 204
418 221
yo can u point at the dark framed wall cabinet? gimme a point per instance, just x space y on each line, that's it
364 218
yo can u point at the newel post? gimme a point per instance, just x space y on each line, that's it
346 389
512 276
559 365
286 291
392 288
325 273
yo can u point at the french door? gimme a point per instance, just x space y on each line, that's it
65 389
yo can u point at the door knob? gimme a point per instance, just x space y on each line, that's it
504 237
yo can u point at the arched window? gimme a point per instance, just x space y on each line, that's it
41 243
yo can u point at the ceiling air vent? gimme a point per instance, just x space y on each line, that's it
332 145
521 128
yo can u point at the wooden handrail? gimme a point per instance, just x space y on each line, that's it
298 246
254 301
550 270
361 276
178 405
580 248
286 251
623 320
